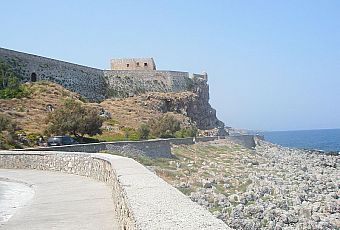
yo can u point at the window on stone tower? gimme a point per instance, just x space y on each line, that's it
145 64
127 65
137 63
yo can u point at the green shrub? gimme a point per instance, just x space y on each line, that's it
165 126
186 132
33 137
131 134
17 92
10 86
143 131
112 122
74 119
111 137
8 137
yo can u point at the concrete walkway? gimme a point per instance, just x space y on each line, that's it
61 201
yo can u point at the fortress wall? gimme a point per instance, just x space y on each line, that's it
96 84
141 199
200 76
88 82
124 83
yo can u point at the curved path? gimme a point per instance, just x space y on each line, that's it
61 201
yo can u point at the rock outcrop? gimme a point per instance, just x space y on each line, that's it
194 105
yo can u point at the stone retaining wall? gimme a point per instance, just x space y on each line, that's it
247 141
141 199
151 148
205 139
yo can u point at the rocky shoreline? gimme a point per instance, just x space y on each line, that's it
290 189
269 187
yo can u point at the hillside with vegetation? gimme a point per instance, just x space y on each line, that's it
132 118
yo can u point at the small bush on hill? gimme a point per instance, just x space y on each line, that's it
186 132
112 122
74 119
131 134
165 126
10 86
110 137
8 138
143 131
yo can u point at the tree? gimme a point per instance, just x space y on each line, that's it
165 126
6 124
143 131
75 119
10 86
8 138
187 132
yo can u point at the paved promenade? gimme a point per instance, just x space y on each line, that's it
61 201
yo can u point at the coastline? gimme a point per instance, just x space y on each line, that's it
304 186
269 187
324 140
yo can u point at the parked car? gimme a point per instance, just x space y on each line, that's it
61 140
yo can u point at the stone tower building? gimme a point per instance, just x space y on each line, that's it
133 64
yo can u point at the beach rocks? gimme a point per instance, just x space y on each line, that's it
292 189
206 184
303 191
271 187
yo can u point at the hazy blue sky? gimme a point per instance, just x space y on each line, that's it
272 65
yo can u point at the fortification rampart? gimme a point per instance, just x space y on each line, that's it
141 199
131 82
88 82
96 84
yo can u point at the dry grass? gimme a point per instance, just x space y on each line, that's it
31 113
221 161
133 111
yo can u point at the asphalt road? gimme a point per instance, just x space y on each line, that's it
40 200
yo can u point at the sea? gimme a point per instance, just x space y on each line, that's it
327 140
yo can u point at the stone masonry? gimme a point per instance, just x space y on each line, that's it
140 77
133 64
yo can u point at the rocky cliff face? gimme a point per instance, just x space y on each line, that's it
193 104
